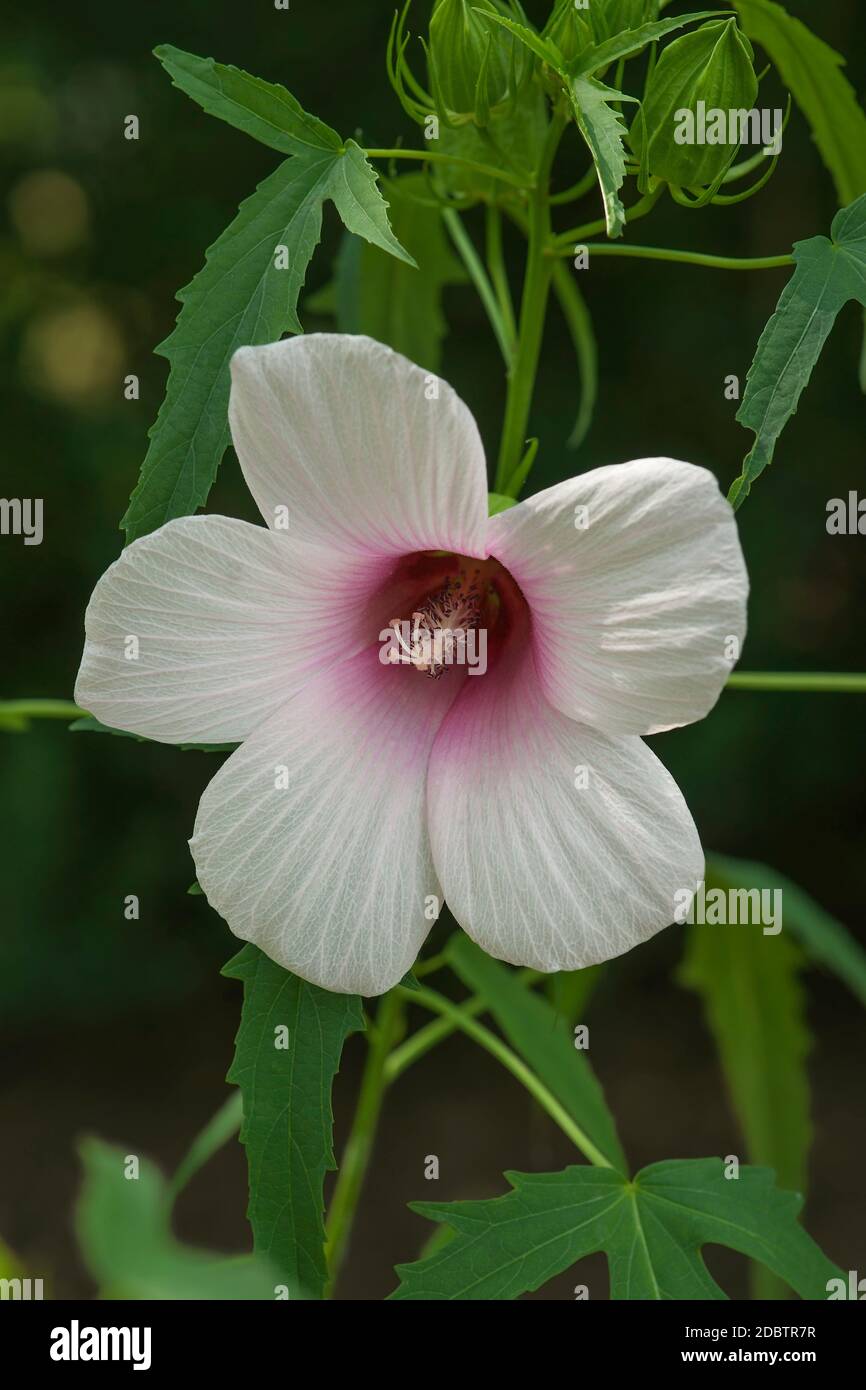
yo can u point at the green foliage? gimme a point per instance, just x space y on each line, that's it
651 1229
247 292
570 991
627 43
387 299
219 1129
123 1227
568 30
823 938
600 124
476 65
544 1040
264 110
828 273
496 502
713 65
603 128
612 17
543 47
755 1009
287 1124
811 70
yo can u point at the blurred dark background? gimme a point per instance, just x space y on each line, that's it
125 1029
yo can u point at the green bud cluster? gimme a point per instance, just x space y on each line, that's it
612 17
710 69
475 64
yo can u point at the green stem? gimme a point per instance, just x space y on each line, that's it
478 275
39 709
359 1146
437 1003
434 1033
659 253
498 274
533 310
798 680
577 190
438 157
579 322
565 241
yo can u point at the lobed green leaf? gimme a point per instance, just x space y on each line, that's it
651 1229
828 273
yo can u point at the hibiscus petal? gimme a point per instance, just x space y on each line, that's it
637 586
312 840
348 435
538 870
229 619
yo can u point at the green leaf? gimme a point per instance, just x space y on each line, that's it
387 299
569 991
603 129
247 292
545 49
652 1231
755 1009
264 110
824 939
811 70
288 1124
124 1231
354 189
828 273
633 41
240 297
497 502
543 1039
219 1129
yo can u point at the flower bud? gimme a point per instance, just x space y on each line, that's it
568 29
476 63
612 17
687 130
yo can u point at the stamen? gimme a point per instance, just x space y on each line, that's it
439 626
